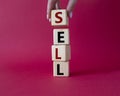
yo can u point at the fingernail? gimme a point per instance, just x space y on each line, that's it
49 20
70 14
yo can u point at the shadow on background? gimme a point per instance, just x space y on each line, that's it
93 71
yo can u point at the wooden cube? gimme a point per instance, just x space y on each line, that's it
59 17
61 36
61 69
61 52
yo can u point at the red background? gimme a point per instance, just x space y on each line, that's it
25 49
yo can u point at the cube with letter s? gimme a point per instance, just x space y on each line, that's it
59 17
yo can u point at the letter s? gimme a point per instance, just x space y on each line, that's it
57 16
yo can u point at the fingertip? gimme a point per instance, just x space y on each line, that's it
70 14
49 20
47 17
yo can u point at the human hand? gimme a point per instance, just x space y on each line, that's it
54 4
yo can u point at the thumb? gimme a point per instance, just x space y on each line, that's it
70 7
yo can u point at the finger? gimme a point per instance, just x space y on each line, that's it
70 7
57 4
50 6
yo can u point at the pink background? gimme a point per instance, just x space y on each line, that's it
25 49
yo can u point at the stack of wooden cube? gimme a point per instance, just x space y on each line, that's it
61 43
